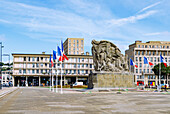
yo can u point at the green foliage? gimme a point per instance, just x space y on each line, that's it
164 70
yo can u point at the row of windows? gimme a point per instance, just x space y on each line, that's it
149 77
151 53
153 46
47 59
152 59
75 41
144 71
66 65
49 71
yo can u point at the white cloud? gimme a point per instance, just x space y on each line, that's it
158 33
132 19
4 21
150 6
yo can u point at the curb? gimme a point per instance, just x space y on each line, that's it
6 93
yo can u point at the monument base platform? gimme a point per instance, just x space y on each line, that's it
110 80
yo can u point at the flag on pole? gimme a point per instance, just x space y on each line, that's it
62 50
61 58
54 55
163 61
51 62
132 63
146 61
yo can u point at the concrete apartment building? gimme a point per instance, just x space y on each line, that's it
34 69
152 50
74 46
6 77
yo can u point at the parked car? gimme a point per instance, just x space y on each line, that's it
77 83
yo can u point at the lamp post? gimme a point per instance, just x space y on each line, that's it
1 64
8 64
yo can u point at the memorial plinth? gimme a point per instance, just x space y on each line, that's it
110 80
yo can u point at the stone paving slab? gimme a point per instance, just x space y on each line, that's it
6 90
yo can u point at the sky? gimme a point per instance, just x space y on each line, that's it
34 26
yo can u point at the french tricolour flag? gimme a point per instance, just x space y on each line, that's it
146 61
51 62
62 51
132 63
61 58
163 60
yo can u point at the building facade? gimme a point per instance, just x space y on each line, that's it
151 50
35 69
74 46
7 78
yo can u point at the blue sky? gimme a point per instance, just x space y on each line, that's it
33 26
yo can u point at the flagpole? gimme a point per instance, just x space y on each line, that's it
50 78
61 78
57 73
160 77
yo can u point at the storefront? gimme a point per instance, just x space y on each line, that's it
140 83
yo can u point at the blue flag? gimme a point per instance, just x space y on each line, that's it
59 51
131 62
145 60
54 55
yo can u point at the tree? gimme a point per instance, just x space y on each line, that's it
164 70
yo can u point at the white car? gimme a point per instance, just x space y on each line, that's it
77 83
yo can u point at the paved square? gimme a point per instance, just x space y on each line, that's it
41 101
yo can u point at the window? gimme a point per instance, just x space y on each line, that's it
138 46
33 65
28 58
154 59
78 65
33 59
140 70
82 71
142 46
74 41
86 71
142 52
153 52
138 52
41 64
137 76
164 53
37 58
136 59
37 65
90 65
86 65
33 71
66 71
153 46
147 70
140 65
149 52
145 52
41 70
149 46
37 71
135 52
82 59
146 46
41 58
45 64
78 71
46 59
29 72
69 41
148 77
77 41
82 65
136 70
24 71
24 58
74 71
78 59
154 77
140 59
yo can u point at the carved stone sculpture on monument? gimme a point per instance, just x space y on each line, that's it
107 57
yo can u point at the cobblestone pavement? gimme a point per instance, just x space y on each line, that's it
42 101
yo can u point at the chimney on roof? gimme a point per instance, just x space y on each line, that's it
43 52
138 41
87 53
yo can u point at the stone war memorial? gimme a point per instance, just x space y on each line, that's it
111 67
